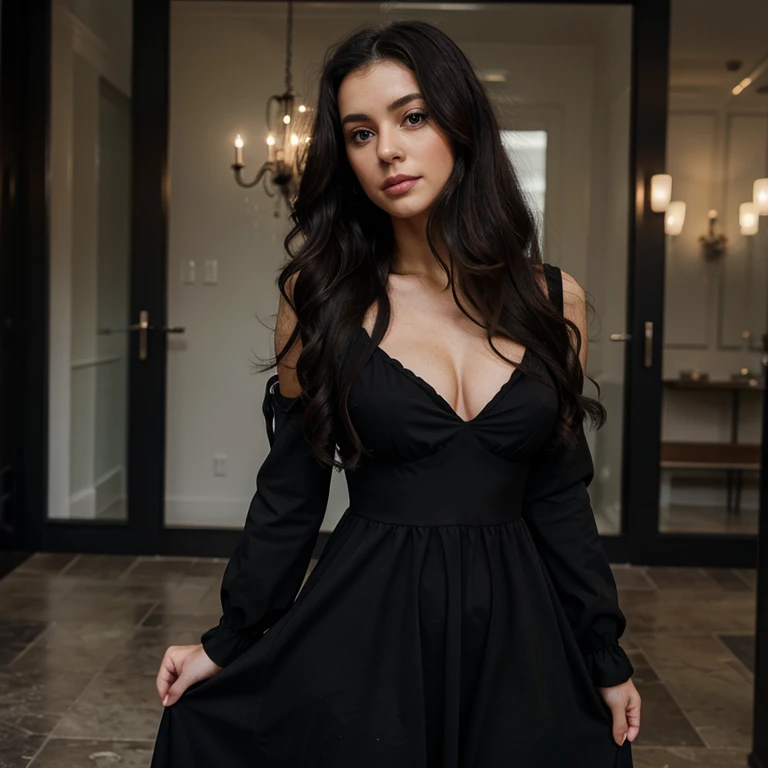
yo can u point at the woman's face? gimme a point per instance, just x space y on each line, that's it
386 134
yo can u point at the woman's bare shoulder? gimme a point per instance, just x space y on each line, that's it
286 322
575 309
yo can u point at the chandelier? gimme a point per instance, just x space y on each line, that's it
288 129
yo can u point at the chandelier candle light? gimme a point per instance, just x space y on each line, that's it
284 164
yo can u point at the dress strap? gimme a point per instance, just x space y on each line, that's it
554 284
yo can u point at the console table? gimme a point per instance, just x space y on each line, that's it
734 457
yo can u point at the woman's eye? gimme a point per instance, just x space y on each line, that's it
355 135
416 114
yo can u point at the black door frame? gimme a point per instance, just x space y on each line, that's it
758 758
18 65
144 532
24 48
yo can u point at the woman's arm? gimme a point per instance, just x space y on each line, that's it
558 512
263 576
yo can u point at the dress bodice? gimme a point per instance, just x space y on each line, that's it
422 453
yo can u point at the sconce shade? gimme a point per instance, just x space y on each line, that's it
760 196
748 218
675 217
661 192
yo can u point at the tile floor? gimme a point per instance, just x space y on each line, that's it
81 638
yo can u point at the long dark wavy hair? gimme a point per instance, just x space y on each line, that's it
346 242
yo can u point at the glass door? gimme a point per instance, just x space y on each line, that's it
715 337
107 328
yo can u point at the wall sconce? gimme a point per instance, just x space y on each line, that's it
711 244
661 192
760 196
674 218
748 218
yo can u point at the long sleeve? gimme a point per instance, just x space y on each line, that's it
558 512
265 572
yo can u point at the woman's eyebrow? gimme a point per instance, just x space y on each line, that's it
396 104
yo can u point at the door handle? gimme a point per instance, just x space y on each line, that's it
143 327
648 357
648 337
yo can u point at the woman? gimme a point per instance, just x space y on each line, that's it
463 612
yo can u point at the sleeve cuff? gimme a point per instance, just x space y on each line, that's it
223 645
608 666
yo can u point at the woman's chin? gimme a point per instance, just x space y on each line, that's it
406 209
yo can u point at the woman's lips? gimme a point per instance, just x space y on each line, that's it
403 186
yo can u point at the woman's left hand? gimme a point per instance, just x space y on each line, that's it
624 702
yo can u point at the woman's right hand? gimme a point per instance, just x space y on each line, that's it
181 666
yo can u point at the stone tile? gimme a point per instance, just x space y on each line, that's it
99 610
46 562
115 702
187 598
35 701
73 647
154 569
28 585
85 589
631 578
742 647
78 753
685 611
102 566
662 722
687 757
627 641
180 622
643 670
17 746
728 579
748 574
212 599
697 671
83 637
742 671
213 567
682 578
15 636
145 650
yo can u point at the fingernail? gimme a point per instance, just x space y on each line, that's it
624 739
165 700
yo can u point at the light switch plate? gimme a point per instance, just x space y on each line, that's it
211 272
220 464
187 272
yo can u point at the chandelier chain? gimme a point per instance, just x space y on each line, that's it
288 48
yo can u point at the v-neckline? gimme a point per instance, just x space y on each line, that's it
421 381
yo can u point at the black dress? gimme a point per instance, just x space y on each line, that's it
460 615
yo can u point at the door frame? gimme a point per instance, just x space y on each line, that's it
144 532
